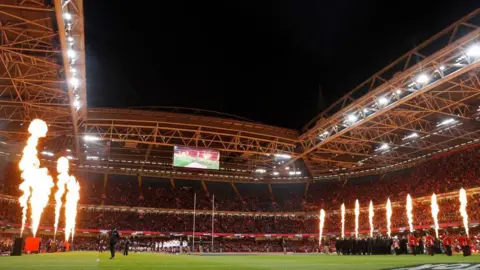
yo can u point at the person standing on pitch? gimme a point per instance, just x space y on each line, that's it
464 242
413 243
114 236
447 243
430 244
127 246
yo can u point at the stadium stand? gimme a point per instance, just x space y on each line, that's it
283 211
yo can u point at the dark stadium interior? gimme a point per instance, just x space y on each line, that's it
266 128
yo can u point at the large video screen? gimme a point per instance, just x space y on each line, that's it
189 157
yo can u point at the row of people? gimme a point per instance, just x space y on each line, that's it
10 213
403 243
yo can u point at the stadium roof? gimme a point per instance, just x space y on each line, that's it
422 104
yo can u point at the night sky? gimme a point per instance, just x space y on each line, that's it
262 60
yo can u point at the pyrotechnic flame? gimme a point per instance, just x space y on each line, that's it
435 210
389 217
62 168
370 217
322 222
37 184
73 195
357 214
463 209
343 220
409 212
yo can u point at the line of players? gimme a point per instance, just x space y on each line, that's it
128 244
350 246
405 245
171 246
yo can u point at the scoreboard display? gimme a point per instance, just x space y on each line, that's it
190 157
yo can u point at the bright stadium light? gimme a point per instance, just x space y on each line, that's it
71 53
76 103
275 173
89 138
422 79
45 153
383 147
474 50
442 67
92 158
413 135
383 101
446 122
287 168
70 39
352 118
398 91
298 173
73 70
67 16
260 171
285 156
74 82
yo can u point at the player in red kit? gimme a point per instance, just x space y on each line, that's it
429 242
413 243
464 242
447 243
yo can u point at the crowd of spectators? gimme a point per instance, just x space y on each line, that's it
137 220
5 244
440 175
443 174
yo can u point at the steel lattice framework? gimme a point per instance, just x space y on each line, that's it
142 142
424 103
34 67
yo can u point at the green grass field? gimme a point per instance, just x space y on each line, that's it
94 260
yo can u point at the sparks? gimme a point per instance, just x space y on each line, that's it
435 210
357 214
409 212
389 217
71 202
463 209
62 168
370 217
321 223
343 220
37 183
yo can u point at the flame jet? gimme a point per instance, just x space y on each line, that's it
409 208
37 183
321 223
71 198
389 217
343 220
62 169
371 214
463 209
357 214
435 210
